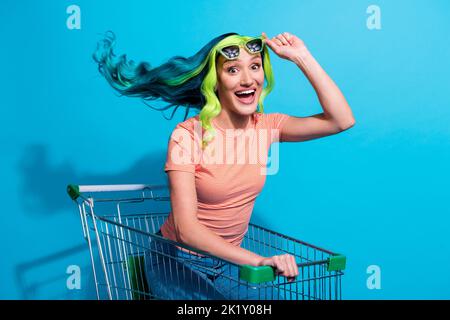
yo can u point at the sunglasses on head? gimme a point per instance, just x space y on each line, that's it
253 46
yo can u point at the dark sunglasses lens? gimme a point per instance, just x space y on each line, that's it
255 45
231 52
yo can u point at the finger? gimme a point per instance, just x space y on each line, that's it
294 264
285 265
289 266
269 42
277 41
294 267
272 45
288 37
282 39
280 265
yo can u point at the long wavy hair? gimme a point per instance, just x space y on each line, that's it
181 82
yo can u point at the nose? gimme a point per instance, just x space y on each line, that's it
246 78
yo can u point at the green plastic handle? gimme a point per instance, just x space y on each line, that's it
257 274
337 262
74 191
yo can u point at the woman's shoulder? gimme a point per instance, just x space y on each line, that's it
189 124
190 128
272 120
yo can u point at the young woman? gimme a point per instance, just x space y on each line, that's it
212 196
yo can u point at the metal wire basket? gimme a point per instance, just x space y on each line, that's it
131 260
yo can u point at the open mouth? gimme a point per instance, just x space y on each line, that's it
246 96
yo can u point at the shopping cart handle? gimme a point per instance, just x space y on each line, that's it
261 274
257 274
336 262
74 191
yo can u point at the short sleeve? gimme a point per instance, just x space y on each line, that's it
275 122
182 150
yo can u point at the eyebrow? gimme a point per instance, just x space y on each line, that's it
239 60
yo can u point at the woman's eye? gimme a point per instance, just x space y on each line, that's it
256 66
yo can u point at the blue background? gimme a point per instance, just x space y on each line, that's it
377 193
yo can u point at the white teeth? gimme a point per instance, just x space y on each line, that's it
245 92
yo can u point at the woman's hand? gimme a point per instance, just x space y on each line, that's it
284 264
285 45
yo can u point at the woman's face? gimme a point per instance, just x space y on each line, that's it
244 74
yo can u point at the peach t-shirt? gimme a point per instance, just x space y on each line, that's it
229 173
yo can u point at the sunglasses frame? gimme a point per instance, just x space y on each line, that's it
239 44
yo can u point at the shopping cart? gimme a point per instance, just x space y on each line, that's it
131 260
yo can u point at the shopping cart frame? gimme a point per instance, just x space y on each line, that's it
329 264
